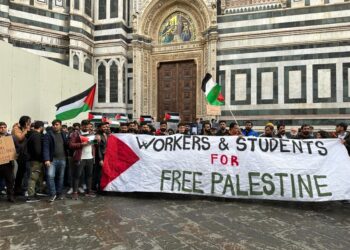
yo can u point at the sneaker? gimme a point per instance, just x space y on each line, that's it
52 198
75 196
90 194
70 191
81 190
31 199
2 192
60 197
41 195
26 194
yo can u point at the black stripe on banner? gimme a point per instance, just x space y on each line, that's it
75 98
205 80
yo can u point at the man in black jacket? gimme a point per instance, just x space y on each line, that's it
35 158
101 137
55 146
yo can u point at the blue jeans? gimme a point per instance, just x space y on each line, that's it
55 176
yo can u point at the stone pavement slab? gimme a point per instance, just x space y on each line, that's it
152 221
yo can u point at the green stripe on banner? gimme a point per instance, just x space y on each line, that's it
72 113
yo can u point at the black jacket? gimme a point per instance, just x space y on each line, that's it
34 145
48 147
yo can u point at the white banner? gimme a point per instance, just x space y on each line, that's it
231 167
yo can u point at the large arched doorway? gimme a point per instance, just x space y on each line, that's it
174 45
177 89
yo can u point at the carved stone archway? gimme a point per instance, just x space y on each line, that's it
148 53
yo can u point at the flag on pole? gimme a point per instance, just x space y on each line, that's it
72 107
172 117
146 118
212 91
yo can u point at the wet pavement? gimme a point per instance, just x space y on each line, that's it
150 221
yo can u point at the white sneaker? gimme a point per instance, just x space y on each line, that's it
81 190
70 191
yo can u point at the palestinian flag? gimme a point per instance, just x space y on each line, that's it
212 91
146 118
121 118
94 116
172 117
72 107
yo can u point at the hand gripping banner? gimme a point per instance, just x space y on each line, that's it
230 167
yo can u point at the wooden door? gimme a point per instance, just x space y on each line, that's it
177 89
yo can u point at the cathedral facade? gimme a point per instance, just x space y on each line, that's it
277 60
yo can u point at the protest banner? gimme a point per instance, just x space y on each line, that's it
230 167
7 150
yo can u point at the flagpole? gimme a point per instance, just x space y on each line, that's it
234 117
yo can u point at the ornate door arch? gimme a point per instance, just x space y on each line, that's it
172 31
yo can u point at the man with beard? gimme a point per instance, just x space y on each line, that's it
304 133
248 131
281 131
124 128
206 128
222 129
132 128
268 132
145 129
181 128
163 130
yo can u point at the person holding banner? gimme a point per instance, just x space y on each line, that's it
206 130
222 129
163 130
6 169
342 134
248 131
234 129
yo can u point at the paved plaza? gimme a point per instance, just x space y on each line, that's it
151 221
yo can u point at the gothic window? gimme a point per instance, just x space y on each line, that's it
113 83
114 8
76 4
87 66
102 9
101 83
76 62
88 7
177 28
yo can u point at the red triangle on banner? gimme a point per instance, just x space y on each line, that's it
119 157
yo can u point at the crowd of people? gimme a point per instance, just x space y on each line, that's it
59 161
